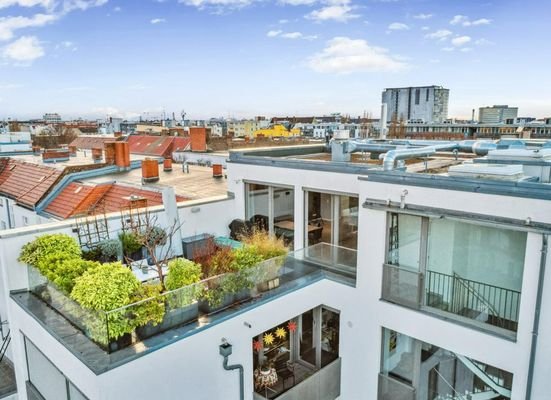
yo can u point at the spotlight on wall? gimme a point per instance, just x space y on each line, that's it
195 209
247 324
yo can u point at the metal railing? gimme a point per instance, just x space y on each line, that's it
5 345
476 300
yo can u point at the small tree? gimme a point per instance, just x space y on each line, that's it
157 240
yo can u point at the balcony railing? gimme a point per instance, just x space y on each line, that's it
467 299
121 327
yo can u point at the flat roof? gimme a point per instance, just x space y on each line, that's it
198 184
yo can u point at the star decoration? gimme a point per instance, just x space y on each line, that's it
268 339
292 326
257 345
281 333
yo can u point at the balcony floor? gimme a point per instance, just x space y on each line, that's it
7 379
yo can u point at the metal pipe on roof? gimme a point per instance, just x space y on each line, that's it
390 158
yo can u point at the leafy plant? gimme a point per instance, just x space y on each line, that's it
130 242
105 287
266 245
149 307
182 272
68 271
49 264
44 245
220 262
91 254
110 249
245 257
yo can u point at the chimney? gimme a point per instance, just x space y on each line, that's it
109 153
150 170
198 138
117 134
217 171
97 155
73 151
122 155
167 164
383 129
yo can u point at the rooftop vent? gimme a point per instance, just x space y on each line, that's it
520 155
487 171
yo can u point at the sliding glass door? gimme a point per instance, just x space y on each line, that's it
331 218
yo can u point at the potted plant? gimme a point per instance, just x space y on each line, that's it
131 246
181 299
110 250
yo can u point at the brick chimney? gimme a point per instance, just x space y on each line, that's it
109 153
97 155
167 164
198 137
122 155
150 170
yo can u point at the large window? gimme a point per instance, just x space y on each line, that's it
290 352
46 378
332 219
272 208
472 271
415 370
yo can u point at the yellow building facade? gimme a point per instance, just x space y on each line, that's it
276 131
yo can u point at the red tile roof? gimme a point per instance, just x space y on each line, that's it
25 182
91 142
160 146
78 199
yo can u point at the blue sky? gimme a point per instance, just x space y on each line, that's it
240 58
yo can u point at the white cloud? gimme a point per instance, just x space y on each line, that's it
26 3
26 49
482 21
273 33
117 9
8 25
466 21
298 2
67 45
157 20
425 28
398 26
484 42
423 16
345 55
82 5
466 49
441 34
448 49
460 40
217 3
335 12
283 21
290 35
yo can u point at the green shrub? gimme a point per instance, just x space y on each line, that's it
182 272
130 242
92 254
69 270
268 246
110 249
221 261
150 311
154 236
105 287
49 264
245 258
33 252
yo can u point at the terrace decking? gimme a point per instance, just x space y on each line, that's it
7 379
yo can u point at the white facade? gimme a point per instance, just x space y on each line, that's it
192 366
497 114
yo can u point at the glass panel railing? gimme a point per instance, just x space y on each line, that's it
402 285
333 258
119 328
393 389
91 323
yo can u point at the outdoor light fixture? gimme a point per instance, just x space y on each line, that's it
195 209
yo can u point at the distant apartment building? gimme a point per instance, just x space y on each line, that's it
422 103
52 118
497 114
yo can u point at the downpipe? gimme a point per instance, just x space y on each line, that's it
225 351
535 328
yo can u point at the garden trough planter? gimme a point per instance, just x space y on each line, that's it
172 319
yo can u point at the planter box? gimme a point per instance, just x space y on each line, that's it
172 319
122 342
195 246
227 301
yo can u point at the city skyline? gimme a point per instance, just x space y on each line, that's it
242 58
